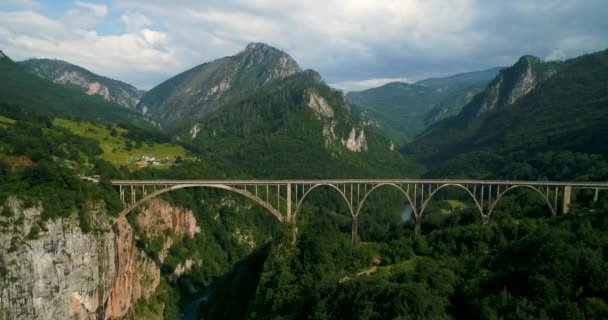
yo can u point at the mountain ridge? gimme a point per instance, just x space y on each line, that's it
65 73
406 109
187 96
525 108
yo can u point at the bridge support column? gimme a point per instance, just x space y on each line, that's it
567 199
289 217
418 220
596 196
485 219
353 230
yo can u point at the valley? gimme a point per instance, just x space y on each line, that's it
248 188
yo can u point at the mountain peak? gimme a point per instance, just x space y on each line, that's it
527 59
2 55
257 46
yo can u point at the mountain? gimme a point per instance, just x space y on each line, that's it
260 111
181 100
32 93
530 109
407 109
456 91
298 124
62 72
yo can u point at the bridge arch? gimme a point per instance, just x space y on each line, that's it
245 193
307 192
458 185
500 195
407 196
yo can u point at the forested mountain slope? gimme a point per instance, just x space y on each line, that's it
185 98
18 86
406 109
68 74
529 108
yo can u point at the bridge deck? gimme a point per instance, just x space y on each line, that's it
574 184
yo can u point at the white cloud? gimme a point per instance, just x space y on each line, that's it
22 3
135 21
342 39
556 55
100 10
130 56
358 85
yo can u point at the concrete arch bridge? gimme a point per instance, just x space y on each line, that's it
284 198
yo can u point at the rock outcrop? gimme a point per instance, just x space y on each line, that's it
157 217
65 73
53 270
356 143
511 84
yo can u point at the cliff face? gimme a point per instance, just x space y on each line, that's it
157 217
62 273
65 73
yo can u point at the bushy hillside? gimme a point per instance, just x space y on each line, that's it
17 86
404 109
299 126
185 98
90 83
565 111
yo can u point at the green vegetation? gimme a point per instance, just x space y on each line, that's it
17 86
119 92
182 100
39 163
117 147
565 112
524 264
273 133
404 110
517 267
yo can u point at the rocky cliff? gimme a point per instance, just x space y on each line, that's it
62 273
510 85
185 98
65 73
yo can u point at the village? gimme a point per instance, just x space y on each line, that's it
151 160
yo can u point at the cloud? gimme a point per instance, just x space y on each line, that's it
350 42
359 85
142 56
135 21
100 10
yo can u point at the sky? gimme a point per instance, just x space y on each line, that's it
353 44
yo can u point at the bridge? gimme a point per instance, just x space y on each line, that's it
284 198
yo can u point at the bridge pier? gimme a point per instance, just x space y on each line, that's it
417 228
596 196
567 199
353 231
485 219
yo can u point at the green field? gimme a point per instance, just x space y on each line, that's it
4 121
114 147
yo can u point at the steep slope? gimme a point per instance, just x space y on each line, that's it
65 73
456 91
530 108
299 125
407 109
179 101
17 86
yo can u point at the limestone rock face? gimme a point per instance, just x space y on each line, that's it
321 108
158 216
63 273
65 73
356 143
511 84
